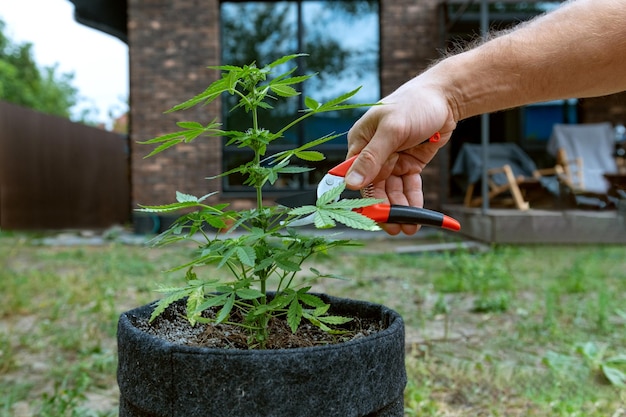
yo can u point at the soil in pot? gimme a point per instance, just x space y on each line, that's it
172 326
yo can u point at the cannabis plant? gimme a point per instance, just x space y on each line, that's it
262 250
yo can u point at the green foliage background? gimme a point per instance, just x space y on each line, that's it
24 83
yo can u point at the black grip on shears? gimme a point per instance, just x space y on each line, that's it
412 215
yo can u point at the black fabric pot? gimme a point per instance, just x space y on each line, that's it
361 378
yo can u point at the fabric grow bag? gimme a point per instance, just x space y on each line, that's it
361 378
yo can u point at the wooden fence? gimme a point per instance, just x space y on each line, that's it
55 174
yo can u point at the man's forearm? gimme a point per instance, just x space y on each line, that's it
578 50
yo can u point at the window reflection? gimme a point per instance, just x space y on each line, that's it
342 41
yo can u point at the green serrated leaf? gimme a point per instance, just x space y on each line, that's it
311 300
320 311
332 104
190 125
246 255
213 300
226 257
292 80
162 138
287 265
353 203
185 198
294 170
323 221
331 195
163 147
315 321
194 300
284 90
224 312
312 156
249 294
283 60
335 320
166 207
264 264
281 300
311 103
167 290
353 219
163 303
303 211
294 315
214 91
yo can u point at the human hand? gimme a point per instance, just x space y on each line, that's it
392 142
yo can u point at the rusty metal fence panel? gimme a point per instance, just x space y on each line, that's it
55 174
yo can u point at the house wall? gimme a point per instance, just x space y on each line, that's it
409 44
172 43
610 108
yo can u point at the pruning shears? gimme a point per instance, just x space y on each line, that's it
380 213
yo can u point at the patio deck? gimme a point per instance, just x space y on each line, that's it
541 226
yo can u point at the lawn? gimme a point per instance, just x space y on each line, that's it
508 331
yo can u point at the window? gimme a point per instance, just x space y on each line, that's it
342 41
538 119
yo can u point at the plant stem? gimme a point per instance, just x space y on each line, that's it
257 161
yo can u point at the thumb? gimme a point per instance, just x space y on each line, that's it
366 167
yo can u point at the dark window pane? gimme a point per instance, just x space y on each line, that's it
342 41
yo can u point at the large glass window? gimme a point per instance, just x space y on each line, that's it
341 39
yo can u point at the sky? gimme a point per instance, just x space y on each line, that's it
99 61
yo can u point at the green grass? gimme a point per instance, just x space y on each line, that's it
513 331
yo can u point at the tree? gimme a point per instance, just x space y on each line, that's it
24 83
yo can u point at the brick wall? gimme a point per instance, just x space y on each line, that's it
409 43
610 108
172 43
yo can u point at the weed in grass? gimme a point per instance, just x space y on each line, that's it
475 272
418 399
441 306
484 274
13 392
13 296
575 278
609 368
492 303
7 354
551 312
66 398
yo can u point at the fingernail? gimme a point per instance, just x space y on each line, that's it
354 179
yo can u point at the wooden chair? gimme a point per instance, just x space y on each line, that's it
570 170
511 173
585 154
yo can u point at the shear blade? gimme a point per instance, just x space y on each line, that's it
310 198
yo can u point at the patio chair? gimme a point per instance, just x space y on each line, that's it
511 173
585 153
